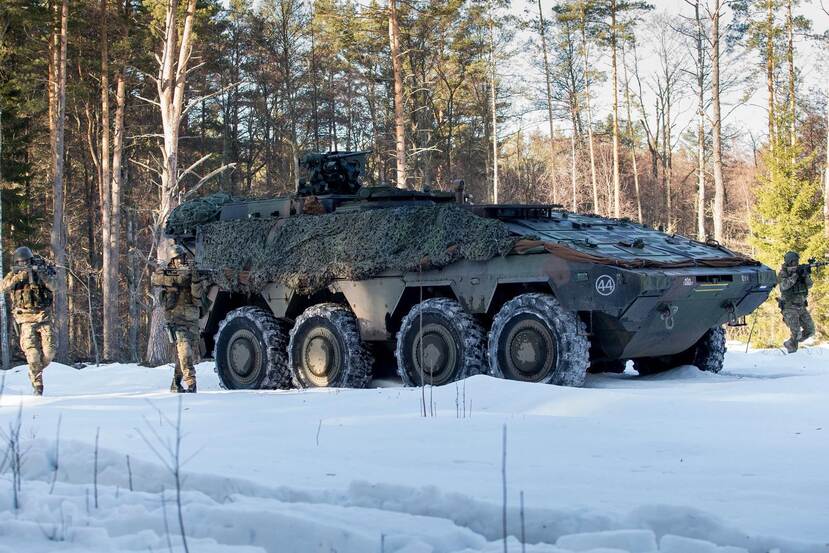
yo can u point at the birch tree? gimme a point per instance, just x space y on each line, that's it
493 101
399 114
170 83
57 117
826 169
718 212
542 31
5 351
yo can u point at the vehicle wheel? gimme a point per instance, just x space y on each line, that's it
708 354
252 351
615 367
439 343
326 349
533 339
709 351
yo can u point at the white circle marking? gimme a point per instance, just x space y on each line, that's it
605 285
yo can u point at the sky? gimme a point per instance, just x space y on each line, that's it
746 117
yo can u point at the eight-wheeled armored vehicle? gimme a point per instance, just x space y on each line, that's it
309 289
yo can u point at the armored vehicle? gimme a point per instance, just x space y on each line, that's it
309 289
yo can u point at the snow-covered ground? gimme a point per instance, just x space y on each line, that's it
682 462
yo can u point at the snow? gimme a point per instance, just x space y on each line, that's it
682 462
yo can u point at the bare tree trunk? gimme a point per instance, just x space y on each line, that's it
770 70
719 183
826 179
170 85
493 108
587 106
5 356
58 234
399 116
573 181
632 138
115 204
667 163
617 187
700 127
110 295
792 83
543 32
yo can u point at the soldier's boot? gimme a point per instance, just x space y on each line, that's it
790 345
191 389
175 387
806 335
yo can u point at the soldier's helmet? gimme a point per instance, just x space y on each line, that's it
23 254
791 258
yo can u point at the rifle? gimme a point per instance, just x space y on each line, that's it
198 274
35 265
812 263
189 266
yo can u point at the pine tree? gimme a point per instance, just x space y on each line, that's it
789 217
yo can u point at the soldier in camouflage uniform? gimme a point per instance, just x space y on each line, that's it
181 291
795 282
31 283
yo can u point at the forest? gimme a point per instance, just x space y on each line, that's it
706 118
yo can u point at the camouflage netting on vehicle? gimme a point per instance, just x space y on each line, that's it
187 216
309 252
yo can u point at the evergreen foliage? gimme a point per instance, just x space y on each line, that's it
788 216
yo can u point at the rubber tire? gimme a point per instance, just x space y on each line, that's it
708 355
467 334
709 351
340 323
272 338
567 329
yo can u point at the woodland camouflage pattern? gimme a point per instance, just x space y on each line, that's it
180 296
31 296
794 304
195 212
309 252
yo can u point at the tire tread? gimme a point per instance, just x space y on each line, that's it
274 332
474 347
359 360
574 347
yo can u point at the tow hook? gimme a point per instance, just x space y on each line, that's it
667 313
733 319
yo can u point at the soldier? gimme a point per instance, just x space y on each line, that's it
181 292
795 282
31 283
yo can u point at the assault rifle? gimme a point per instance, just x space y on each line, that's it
196 272
35 265
189 266
812 263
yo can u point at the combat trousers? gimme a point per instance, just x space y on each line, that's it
800 323
184 369
38 344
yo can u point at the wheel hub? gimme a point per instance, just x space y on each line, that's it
322 357
530 350
318 356
434 355
243 354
